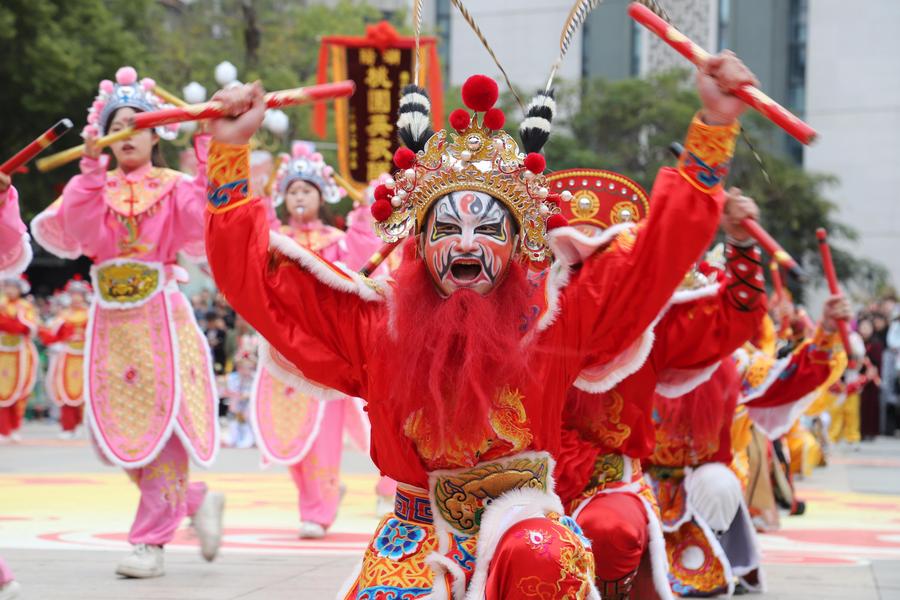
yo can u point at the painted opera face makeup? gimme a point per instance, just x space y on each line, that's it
468 242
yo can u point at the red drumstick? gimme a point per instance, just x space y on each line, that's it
213 109
36 147
748 93
771 246
833 287
376 259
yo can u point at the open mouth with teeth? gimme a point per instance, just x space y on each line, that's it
465 270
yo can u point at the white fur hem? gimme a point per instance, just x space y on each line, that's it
279 366
335 276
674 383
37 232
22 262
685 296
602 378
262 443
776 421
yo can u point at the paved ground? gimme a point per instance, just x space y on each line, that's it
64 518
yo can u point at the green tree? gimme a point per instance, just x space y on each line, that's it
55 53
627 126
58 50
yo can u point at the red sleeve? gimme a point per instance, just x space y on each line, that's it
792 377
617 293
315 315
697 334
13 325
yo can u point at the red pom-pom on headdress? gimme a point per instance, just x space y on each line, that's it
556 221
404 158
480 93
382 192
381 210
494 119
459 119
535 163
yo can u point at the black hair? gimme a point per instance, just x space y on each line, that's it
156 156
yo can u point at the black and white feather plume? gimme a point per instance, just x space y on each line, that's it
535 128
414 118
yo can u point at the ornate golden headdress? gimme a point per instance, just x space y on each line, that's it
478 156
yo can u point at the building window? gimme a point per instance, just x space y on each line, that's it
634 63
724 40
796 75
442 25
797 54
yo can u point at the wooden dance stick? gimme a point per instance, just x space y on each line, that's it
48 163
751 95
213 108
36 147
168 96
379 257
833 287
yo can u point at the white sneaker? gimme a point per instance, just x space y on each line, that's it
207 523
10 591
15 436
144 561
311 531
67 435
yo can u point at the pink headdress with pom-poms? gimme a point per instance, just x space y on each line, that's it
307 164
126 91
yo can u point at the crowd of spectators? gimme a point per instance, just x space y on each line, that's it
878 324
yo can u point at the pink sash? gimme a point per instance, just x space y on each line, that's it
147 372
286 421
198 415
17 370
65 378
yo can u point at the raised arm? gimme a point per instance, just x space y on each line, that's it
618 293
15 247
317 316
82 210
778 391
190 196
697 333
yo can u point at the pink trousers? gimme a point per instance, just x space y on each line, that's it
317 476
6 574
166 496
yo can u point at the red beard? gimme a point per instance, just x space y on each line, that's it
451 356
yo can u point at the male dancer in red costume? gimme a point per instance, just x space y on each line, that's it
609 425
464 364
710 541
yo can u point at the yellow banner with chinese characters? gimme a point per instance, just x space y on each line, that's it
381 64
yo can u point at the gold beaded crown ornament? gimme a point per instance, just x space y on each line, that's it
599 198
478 155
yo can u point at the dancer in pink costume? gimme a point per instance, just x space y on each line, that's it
15 254
293 427
149 388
